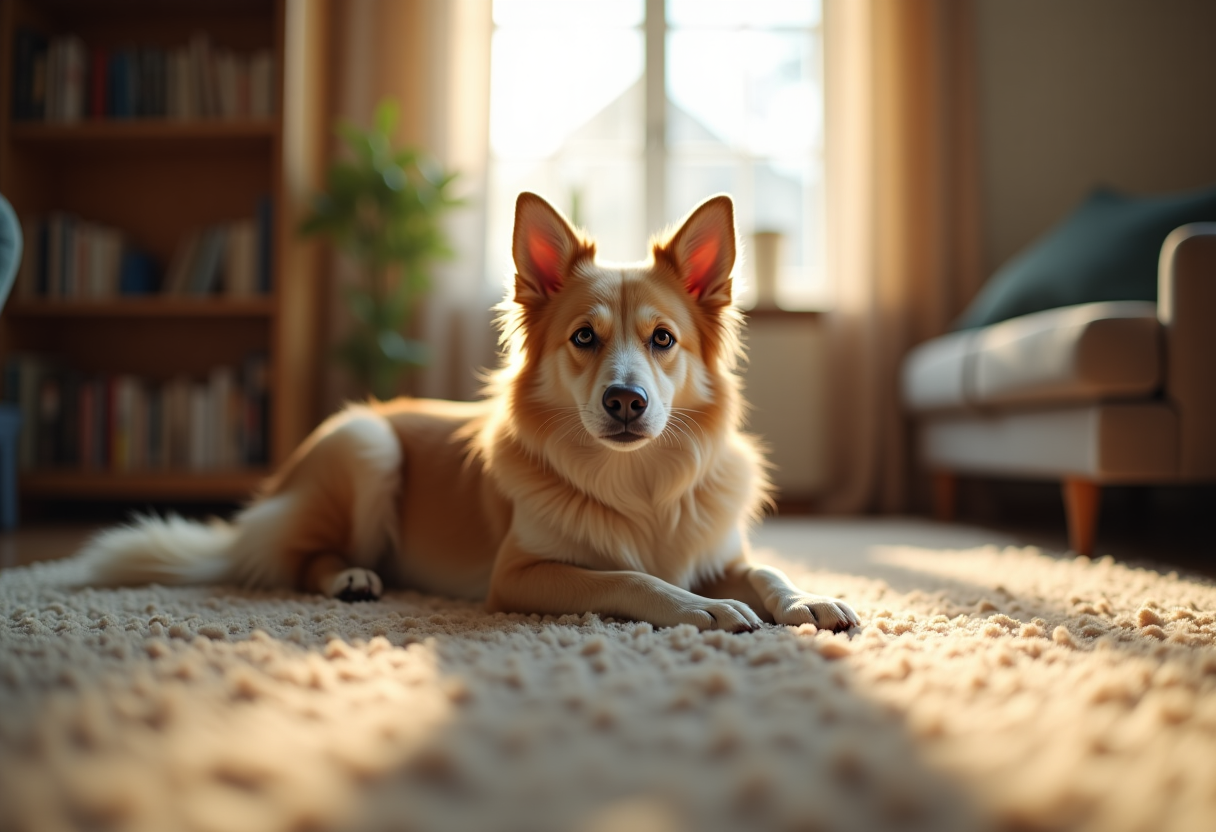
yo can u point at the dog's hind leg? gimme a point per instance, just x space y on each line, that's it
327 574
332 514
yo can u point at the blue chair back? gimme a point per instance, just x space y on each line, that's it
10 415
10 249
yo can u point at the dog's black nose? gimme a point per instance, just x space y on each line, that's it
624 402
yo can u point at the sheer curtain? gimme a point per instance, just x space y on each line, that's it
902 220
433 56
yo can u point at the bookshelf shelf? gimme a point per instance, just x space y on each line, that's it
163 485
143 130
153 307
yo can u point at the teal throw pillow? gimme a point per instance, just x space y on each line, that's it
1107 249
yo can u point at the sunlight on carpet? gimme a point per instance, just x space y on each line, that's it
988 688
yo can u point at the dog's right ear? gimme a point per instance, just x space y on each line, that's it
544 248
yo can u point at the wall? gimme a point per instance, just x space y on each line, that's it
1075 93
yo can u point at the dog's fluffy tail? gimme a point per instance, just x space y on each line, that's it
162 550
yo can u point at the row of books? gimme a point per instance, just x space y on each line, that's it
127 423
234 258
62 79
67 257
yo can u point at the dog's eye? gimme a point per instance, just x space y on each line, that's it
662 339
584 337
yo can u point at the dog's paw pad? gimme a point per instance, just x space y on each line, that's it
356 584
732 616
825 613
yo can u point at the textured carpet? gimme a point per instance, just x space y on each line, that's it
989 688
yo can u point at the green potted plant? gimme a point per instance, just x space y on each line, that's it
383 207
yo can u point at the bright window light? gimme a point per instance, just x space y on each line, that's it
626 113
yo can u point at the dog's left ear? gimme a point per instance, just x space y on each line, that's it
703 250
544 248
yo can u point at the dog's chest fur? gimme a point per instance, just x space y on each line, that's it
660 511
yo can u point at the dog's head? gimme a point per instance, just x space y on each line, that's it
624 355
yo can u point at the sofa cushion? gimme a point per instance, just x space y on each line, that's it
1090 352
1106 443
1107 249
935 373
1077 353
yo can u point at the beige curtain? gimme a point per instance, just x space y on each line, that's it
902 221
433 56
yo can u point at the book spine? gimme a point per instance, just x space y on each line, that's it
68 452
52 84
27 277
50 402
74 80
29 379
198 427
87 407
257 406
265 261
98 83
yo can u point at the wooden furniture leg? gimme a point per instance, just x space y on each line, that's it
1081 500
945 496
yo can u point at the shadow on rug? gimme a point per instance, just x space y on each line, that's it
986 689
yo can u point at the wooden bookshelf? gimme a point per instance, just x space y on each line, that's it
157 179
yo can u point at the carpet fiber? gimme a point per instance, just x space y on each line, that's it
988 688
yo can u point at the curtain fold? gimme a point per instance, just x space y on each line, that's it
903 221
433 56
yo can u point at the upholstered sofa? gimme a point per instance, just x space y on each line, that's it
1113 392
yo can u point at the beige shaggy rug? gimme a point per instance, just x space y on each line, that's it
989 688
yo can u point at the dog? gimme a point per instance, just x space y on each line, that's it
605 470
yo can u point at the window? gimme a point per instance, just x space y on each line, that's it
626 113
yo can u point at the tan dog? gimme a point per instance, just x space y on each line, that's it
606 472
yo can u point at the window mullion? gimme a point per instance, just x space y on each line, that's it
656 114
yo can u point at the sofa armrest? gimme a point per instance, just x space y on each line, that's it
1186 305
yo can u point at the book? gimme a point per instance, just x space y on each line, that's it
67 441
265 221
223 424
29 70
46 422
261 84
177 278
26 287
205 273
240 259
137 273
29 369
198 427
98 98
54 258
255 382
72 79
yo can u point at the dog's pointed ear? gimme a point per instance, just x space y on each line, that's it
703 250
544 247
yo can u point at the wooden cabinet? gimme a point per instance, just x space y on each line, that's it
158 178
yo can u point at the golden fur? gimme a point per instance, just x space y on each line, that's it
606 470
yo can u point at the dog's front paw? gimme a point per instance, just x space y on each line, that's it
825 613
356 584
733 616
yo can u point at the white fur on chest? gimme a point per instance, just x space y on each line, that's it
678 523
